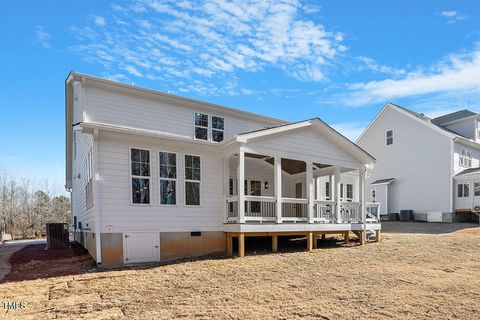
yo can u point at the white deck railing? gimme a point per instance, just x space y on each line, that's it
263 209
324 211
294 209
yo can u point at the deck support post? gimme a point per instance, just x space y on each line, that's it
310 190
324 236
241 245
378 235
274 243
241 186
278 187
309 241
336 180
229 244
347 237
361 235
315 238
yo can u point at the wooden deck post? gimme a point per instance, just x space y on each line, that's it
229 244
274 243
347 237
378 235
361 235
241 245
315 238
309 241
324 236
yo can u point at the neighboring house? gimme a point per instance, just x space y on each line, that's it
154 176
426 165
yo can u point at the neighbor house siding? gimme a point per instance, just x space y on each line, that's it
419 159
457 149
466 128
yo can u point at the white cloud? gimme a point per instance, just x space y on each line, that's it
371 65
213 39
457 74
42 37
100 21
452 16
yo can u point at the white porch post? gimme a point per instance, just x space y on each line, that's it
310 190
241 186
336 180
363 207
331 187
278 187
226 183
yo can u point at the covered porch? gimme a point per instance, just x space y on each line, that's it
278 186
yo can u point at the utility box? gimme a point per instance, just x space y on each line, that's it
57 235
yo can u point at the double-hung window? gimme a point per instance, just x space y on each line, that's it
465 158
192 180
140 173
389 137
201 126
218 127
463 190
477 189
168 177
327 190
349 192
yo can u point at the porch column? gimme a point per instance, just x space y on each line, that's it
241 186
310 190
336 182
278 187
226 184
363 207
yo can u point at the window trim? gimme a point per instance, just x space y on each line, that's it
185 180
140 177
461 187
176 179
212 128
386 137
346 192
465 158
474 192
207 127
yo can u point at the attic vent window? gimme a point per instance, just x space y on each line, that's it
389 137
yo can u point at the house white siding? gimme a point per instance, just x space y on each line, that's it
123 107
457 151
466 127
419 160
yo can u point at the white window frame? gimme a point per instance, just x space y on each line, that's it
474 184
350 199
386 137
170 179
462 195
212 128
185 180
207 127
140 177
465 158
373 195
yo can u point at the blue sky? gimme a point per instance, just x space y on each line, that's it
339 60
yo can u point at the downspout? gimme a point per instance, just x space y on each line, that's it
96 189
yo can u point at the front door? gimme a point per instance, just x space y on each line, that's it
141 247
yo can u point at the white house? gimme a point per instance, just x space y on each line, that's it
154 176
427 165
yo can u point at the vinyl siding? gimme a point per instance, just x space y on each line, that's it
420 160
466 128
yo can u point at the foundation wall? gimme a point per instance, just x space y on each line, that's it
112 249
90 244
176 245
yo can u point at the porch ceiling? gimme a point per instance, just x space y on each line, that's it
289 166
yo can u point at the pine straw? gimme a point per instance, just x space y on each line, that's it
407 276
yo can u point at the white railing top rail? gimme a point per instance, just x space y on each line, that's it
260 198
324 202
231 199
372 204
295 200
351 203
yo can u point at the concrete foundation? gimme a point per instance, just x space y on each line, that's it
176 245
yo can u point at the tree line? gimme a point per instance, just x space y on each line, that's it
25 208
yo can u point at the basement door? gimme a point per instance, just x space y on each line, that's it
141 247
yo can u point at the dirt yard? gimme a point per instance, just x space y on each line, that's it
417 271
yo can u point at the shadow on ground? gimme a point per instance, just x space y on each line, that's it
417 227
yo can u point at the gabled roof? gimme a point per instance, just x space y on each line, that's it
468 172
340 139
424 120
383 181
454 116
